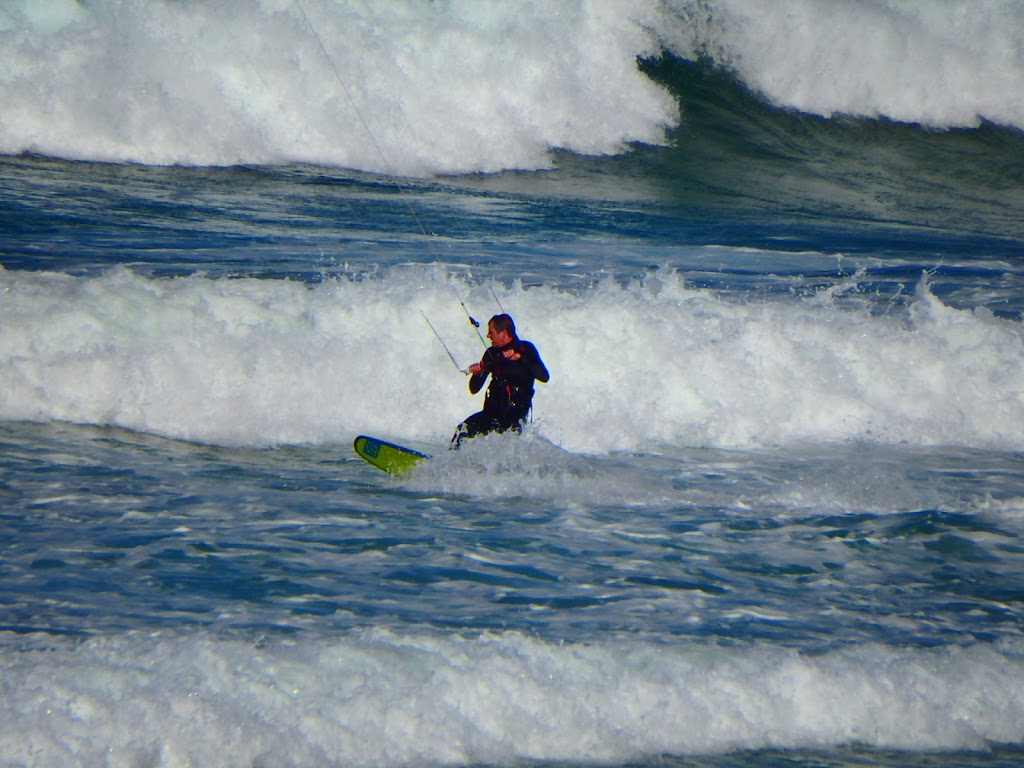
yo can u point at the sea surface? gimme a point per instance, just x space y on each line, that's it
768 512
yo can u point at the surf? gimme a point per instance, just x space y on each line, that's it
652 361
393 700
258 88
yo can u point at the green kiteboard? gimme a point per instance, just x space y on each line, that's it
387 456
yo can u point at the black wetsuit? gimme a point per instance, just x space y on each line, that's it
509 395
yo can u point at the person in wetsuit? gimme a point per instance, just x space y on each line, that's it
513 365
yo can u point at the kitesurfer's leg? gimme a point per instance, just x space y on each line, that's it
478 424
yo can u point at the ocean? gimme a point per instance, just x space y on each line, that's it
768 511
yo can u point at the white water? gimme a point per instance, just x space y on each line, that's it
468 86
391 700
945 64
264 362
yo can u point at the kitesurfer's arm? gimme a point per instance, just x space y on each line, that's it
530 357
476 381
480 371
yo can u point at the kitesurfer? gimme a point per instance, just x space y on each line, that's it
513 365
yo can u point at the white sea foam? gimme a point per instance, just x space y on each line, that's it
392 700
938 64
407 87
468 86
263 362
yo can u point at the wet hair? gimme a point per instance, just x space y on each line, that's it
504 323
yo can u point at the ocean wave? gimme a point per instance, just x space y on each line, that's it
634 365
385 699
466 87
942 66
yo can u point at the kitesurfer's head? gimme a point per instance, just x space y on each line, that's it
501 330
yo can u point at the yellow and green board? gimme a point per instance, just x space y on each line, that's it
387 456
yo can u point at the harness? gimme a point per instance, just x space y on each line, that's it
513 395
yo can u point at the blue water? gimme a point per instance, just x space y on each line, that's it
770 507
